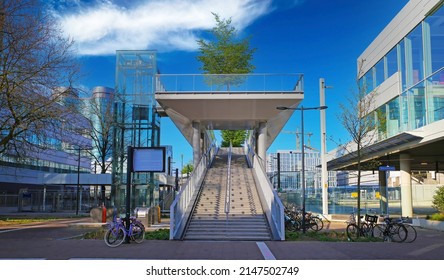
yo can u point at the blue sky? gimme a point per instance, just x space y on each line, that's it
319 38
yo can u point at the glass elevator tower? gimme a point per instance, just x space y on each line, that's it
137 124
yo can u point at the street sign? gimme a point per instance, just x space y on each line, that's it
386 168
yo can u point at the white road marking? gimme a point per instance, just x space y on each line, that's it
265 251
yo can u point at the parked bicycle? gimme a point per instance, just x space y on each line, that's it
117 232
293 220
391 231
355 231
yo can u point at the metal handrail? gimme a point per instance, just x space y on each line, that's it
271 203
228 191
230 83
180 209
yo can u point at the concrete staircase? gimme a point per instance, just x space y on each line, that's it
245 220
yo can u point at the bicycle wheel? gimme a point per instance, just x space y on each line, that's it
398 233
290 225
379 232
310 224
319 222
411 233
138 234
352 231
366 230
115 236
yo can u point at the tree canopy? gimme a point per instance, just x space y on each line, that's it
236 137
225 54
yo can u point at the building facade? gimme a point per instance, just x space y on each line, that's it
291 167
403 71
62 151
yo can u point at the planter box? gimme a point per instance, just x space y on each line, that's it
428 224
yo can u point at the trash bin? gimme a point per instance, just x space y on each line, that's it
142 214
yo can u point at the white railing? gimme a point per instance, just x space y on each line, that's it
271 203
181 208
228 191
230 83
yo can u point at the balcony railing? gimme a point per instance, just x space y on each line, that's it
232 83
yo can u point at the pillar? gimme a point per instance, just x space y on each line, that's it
196 143
262 142
383 200
406 186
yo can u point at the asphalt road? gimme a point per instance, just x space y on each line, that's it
59 240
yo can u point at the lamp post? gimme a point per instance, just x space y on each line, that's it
78 150
324 172
78 184
302 109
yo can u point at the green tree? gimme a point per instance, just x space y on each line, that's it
438 199
236 137
226 55
187 169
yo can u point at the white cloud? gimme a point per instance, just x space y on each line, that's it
102 27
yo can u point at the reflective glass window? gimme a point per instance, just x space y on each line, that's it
379 72
417 56
436 23
392 62
402 65
368 85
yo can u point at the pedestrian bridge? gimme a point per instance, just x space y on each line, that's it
199 104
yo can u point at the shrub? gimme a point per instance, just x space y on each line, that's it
436 217
438 199
159 234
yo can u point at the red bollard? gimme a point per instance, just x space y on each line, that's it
103 213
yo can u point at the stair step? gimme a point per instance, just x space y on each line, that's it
246 220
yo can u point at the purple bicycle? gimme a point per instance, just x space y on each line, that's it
117 232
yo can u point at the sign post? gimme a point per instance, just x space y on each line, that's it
141 159
129 170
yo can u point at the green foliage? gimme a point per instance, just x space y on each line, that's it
236 137
438 199
225 55
436 217
188 169
98 234
7 221
159 234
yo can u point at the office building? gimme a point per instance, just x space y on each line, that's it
403 70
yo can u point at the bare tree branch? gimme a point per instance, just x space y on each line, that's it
35 59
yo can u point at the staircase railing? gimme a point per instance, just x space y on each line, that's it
271 203
228 191
181 207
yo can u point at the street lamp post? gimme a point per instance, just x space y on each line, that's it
78 150
78 184
324 172
302 109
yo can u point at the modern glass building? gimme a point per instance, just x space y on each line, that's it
137 124
402 71
410 74
63 151
291 167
